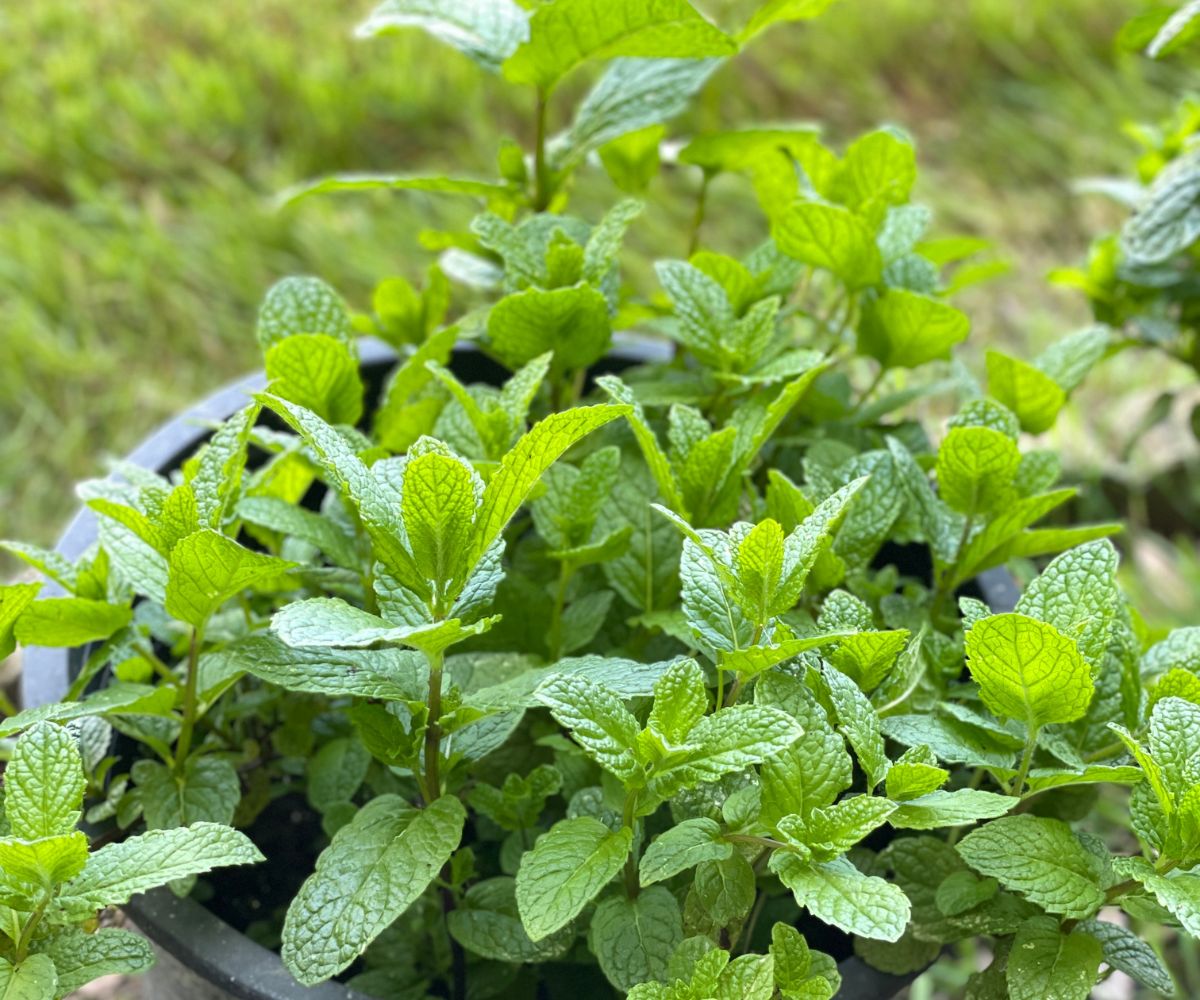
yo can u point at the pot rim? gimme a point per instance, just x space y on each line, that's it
184 928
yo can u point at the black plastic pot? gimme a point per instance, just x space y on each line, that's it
200 956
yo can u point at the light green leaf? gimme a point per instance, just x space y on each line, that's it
1179 891
486 31
758 659
839 894
117 872
373 870
1028 670
834 829
682 847
859 723
1030 393
598 720
775 11
565 871
903 329
318 372
207 569
487 924
69 621
222 462
277 514
14 599
957 808
567 33
44 783
725 889
832 238
42 865
523 466
975 469
572 322
680 700
1041 859
1046 962
436 184
207 789
633 939
437 504
300 305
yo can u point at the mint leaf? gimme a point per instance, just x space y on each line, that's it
680 701
944 808
725 889
318 372
44 783
598 720
33 979
683 847
565 34
1046 962
832 238
565 871
776 11
207 569
1125 951
80 957
69 621
976 467
301 305
1028 670
633 939
486 31
33 867
1030 393
572 322
903 329
1041 859
117 872
14 599
859 723
839 894
374 869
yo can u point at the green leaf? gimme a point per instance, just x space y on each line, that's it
207 569
14 599
758 659
725 889
839 894
69 621
523 466
318 372
1046 962
1125 951
207 789
569 32
565 871
832 238
279 515
834 829
300 305
957 808
486 31
680 701
903 329
33 979
597 719
488 925
1167 220
682 847
1077 594
859 723
1030 393
336 772
336 183
633 939
42 865
1041 859
44 783
975 469
437 503
117 872
373 870
1178 892
1027 670
631 95
572 322
80 957
221 464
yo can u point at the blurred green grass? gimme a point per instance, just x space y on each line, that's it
141 143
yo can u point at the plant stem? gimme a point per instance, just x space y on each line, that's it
433 731
1026 759
698 215
541 195
160 668
633 883
554 637
747 935
31 925
190 700
870 390
458 958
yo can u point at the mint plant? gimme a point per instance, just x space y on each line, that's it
613 675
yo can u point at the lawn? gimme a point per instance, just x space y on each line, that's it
143 143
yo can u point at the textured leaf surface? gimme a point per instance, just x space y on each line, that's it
683 847
487 31
1041 859
839 894
80 958
373 870
1045 962
44 783
207 569
565 871
633 939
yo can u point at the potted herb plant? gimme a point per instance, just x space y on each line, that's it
613 671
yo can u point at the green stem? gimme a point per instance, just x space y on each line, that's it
541 174
747 936
31 925
1018 784
870 390
190 700
160 668
698 215
633 884
433 731
554 637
